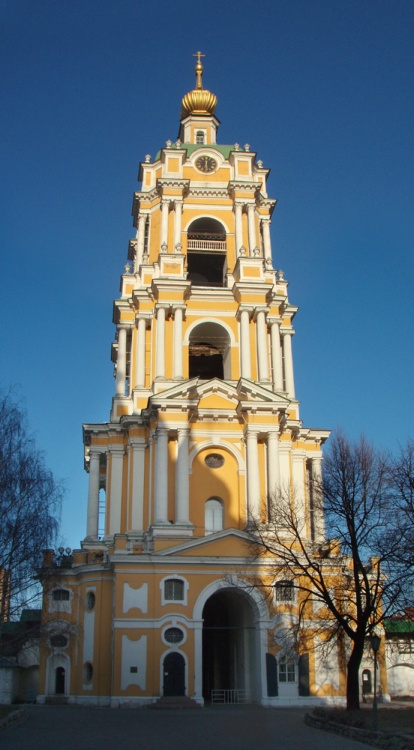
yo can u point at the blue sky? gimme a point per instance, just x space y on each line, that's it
321 89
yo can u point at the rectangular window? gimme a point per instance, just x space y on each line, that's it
174 590
286 670
284 591
60 595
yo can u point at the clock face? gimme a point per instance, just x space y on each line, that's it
206 164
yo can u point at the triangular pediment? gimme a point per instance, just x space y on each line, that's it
218 394
227 543
249 390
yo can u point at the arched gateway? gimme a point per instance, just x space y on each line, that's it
229 652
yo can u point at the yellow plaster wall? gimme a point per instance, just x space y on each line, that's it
221 483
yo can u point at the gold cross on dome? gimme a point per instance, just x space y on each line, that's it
199 70
198 55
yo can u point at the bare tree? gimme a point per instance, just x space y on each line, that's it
352 578
30 500
401 479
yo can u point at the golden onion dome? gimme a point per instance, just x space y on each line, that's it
199 101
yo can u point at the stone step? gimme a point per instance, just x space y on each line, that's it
175 703
57 700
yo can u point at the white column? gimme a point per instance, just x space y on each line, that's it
253 477
160 343
93 494
273 468
238 225
178 207
276 354
181 477
267 245
298 478
245 363
161 476
165 207
136 478
251 223
317 499
121 362
140 362
262 353
178 343
288 363
285 450
141 239
115 489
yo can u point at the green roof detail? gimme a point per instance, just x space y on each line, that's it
191 147
399 626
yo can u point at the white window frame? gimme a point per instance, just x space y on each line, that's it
59 605
181 602
219 506
287 661
204 134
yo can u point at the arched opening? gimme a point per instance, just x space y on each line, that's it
230 646
174 674
60 681
366 682
209 352
206 253
213 515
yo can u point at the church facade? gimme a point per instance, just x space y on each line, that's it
204 428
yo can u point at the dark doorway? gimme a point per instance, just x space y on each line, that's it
229 644
174 674
366 682
60 681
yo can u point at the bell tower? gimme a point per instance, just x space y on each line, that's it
203 318
204 431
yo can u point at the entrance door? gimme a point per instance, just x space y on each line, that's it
366 682
174 674
60 681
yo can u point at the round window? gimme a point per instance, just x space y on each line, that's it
90 600
214 460
174 635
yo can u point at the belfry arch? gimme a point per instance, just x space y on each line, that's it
209 352
206 252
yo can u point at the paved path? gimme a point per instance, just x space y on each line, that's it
232 728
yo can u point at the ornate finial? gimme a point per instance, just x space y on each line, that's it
199 70
199 101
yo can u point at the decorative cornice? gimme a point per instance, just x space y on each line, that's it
146 197
208 192
243 185
268 203
172 183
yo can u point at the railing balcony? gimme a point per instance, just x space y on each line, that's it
215 246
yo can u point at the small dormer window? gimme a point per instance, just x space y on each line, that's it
200 136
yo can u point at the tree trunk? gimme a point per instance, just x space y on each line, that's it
352 679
